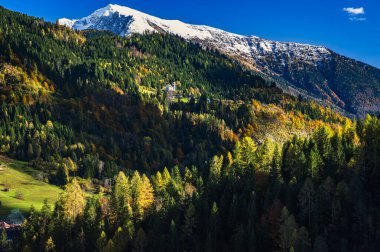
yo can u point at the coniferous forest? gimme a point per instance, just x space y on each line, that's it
225 162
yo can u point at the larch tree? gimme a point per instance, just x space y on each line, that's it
142 193
73 200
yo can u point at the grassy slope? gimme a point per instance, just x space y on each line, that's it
21 178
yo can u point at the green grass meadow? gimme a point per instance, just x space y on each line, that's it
24 187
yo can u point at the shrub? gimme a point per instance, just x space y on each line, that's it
19 195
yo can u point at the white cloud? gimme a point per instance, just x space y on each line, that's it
354 11
355 14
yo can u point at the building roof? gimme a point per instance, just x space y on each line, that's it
4 225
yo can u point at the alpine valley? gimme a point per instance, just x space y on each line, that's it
121 131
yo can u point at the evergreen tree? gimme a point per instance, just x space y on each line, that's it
110 247
322 139
140 241
121 198
315 163
62 175
4 243
303 242
189 237
101 243
49 246
215 169
212 234
288 230
173 237
276 163
120 240
306 201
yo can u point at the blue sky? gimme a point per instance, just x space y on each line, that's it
349 27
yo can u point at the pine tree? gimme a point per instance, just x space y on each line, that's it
336 159
92 223
110 247
215 169
315 163
264 156
322 139
49 245
159 185
166 176
306 201
276 163
30 151
189 228
239 239
173 237
140 241
62 175
120 240
303 242
288 230
101 242
212 234
248 150
293 160
45 217
4 243
121 198
80 241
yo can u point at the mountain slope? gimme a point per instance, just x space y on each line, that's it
313 71
97 96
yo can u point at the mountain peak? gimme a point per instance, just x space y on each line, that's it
123 10
139 22
125 21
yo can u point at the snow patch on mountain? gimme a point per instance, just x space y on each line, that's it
66 22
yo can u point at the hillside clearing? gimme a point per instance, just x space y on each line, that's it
20 188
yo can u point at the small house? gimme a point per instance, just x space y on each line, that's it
170 87
4 225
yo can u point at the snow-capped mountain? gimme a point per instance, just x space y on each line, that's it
312 71
125 21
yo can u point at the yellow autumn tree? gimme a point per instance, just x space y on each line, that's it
159 184
166 176
122 190
73 200
142 192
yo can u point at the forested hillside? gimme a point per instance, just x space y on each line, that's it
309 70
311 194
99 96
161 145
